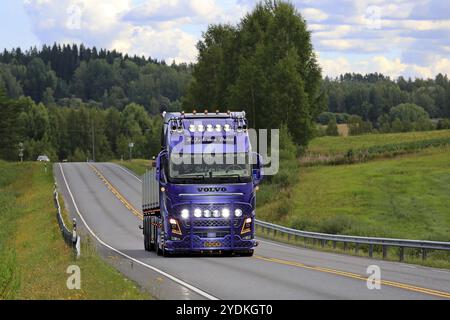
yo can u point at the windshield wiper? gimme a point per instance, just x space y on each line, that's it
197 177
229 176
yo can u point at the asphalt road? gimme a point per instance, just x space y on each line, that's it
106 200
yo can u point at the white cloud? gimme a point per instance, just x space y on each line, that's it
314 14
381 64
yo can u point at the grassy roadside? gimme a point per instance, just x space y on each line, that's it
33 256
406 197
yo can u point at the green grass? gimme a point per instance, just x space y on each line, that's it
326 146
406 198
33 256
139 166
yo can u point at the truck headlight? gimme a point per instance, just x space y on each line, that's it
209 128
185 213
198 213
225 213
218 128
201 128
192 128
238 213
227 128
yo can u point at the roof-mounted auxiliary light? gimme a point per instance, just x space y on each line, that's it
206 112
217 112
201 128
227 128
209 128
194 112
218 128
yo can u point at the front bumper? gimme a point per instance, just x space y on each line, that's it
197 244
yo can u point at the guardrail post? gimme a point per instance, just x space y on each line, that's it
356 248
334 244
384 252
402 254
371 250
345 246
289 237
424 254
323 243
306 244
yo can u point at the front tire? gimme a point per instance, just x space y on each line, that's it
148 227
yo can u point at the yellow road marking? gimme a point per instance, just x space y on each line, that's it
408 287
118 195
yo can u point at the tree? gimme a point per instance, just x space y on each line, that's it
332 128
407 117
265 63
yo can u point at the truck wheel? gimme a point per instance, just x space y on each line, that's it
159 251
148 245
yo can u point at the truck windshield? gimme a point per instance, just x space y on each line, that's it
220 168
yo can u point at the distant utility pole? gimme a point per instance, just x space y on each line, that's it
131 145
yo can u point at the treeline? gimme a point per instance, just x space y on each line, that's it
374 95
76 134
70 75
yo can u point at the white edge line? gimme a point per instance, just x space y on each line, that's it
128 172
165 274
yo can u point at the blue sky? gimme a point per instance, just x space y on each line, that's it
396 37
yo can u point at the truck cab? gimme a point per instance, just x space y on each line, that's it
201 195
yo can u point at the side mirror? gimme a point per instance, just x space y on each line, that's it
257 169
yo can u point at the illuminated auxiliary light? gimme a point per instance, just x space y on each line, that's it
185 213
209 128
216 214
238 213
227 128
207 214
197 213
218 128
248 220
173 221
226 213
192 128
201 128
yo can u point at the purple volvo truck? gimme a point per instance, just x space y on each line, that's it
200 196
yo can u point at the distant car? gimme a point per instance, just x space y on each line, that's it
43 159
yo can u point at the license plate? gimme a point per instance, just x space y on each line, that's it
213 244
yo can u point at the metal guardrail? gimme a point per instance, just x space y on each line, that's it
71 238
385 243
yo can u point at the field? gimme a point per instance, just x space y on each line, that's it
33 256
339 145
406 197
